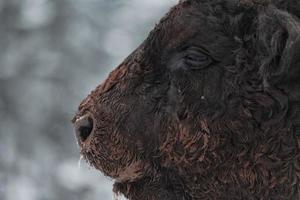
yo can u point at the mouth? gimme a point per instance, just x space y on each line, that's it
120 170
97 162
129 173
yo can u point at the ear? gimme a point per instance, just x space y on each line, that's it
279 34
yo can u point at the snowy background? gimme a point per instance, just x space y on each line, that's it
52 53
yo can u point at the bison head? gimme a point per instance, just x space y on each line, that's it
209 76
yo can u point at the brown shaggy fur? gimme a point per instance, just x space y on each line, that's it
208 107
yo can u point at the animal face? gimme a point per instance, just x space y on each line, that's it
168 101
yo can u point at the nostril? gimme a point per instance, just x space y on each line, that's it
84 127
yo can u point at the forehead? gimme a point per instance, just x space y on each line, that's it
190 23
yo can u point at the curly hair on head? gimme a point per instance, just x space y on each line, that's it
207 107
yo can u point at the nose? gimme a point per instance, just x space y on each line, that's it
84 127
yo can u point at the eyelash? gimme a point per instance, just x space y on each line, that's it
197 58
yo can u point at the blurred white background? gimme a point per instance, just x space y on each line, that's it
52 53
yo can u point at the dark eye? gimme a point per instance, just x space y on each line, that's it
196 58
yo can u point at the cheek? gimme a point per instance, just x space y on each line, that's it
213 84
198 92
185 145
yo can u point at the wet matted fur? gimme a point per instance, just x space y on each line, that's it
207 107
